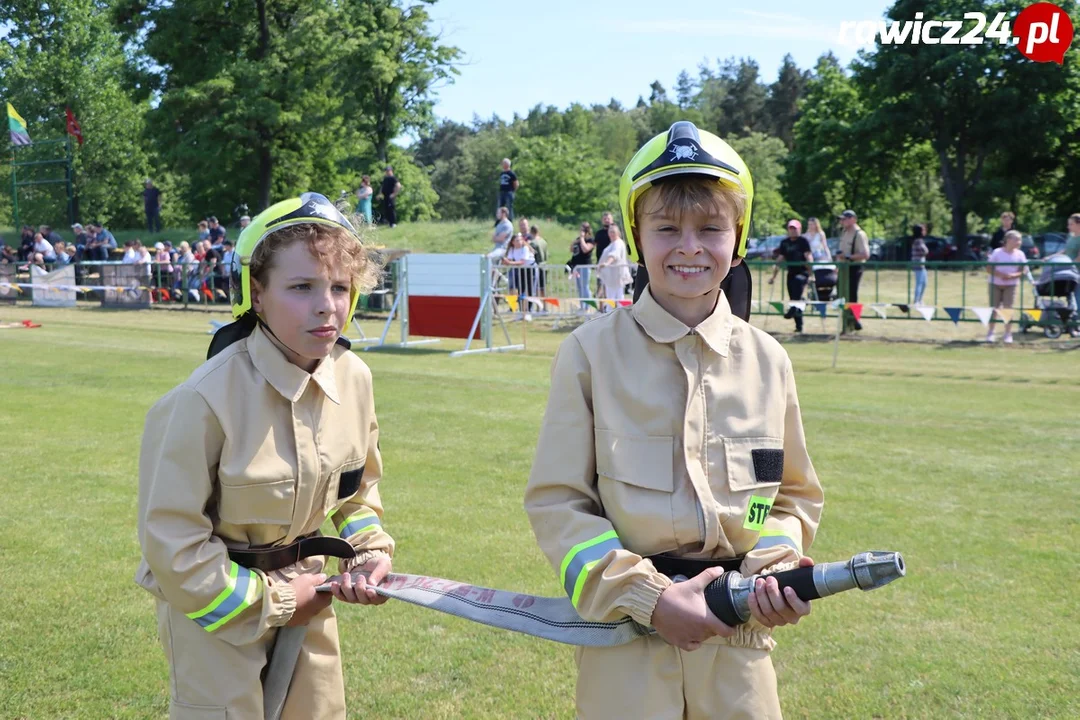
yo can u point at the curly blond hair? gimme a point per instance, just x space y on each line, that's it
334 246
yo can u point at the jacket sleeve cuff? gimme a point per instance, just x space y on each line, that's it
347 564
281 599
640 598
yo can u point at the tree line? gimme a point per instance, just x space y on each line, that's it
224 103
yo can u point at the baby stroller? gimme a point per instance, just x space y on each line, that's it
822 282
1055 297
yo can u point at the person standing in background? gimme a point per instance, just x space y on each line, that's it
1008 220
389 191
855 250
919 251
508 185
152 207
581 252
1004 279
363 198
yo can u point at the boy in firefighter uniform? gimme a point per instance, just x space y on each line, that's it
672 449
243 462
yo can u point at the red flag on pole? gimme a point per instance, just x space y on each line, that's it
73 126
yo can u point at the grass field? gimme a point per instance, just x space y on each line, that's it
964 458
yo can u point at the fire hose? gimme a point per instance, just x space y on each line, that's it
556 619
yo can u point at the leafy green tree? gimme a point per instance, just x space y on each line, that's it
764 155
986 110
564 178
71 56
781 105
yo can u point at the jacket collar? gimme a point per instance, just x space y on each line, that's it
285 377
662 327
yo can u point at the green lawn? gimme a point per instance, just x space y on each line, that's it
963 458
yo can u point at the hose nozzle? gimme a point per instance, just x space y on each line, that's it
729 595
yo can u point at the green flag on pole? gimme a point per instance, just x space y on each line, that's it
17 125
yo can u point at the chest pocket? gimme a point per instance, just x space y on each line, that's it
754 463
635 480
343 484
349 482
264 503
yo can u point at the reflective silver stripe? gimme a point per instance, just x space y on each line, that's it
771 540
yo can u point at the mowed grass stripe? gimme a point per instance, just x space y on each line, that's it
936 451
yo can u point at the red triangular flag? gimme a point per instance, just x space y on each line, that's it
73 127
856 310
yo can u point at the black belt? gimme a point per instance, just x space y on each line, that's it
671 566
274 558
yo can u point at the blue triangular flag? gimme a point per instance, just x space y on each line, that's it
954 314
821 308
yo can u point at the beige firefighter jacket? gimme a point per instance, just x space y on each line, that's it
252 450
659 438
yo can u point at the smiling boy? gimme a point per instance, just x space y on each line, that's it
672 428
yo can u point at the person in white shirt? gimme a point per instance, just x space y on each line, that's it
504 230
44 247
614 266
824 271
520 257
129 253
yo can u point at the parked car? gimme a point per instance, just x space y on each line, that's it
1049 243
940 249
764 248
1031 250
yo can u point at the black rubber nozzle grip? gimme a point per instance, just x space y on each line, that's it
801 580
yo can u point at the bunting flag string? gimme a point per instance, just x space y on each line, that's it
984 314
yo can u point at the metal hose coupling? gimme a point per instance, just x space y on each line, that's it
729 595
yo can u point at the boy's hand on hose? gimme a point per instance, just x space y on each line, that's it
358 589
308 602
683 618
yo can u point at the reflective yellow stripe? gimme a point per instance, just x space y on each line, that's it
243 588
358 521
581 558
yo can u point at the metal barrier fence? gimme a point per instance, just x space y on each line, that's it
134 285
558 292
953 285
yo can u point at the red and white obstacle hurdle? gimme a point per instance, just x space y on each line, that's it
444 296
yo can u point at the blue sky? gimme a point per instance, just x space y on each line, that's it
517 54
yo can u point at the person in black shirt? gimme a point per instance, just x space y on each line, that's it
1008 220
389 192
152 206
794 250
217 231
508 185
581 251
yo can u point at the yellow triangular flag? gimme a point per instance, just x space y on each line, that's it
512 301
609 302
1035 315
